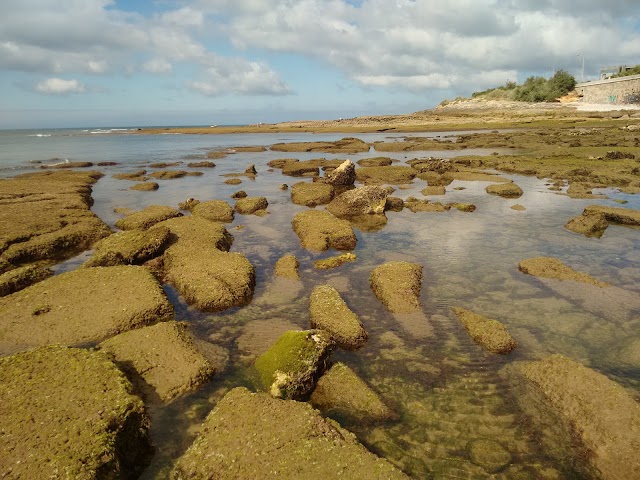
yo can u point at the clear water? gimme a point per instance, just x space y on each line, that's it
445 389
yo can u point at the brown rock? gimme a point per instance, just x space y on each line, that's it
147 217
397 285
488 333
311 194
434 190
133 247
145 186
359 201
214 210
21 277
506 190
548 267
343 175
287 267
249 205
592 225
617 215
388 175
320 231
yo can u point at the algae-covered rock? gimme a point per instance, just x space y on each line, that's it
145 186
368 200
137 176
214 210
589 225
147 217
239 194
594 416
188 204
249 205
131 247
345 145
375 162
397 285
434 190
251 435
342 395
287 267
204 164
160 360
549 267
506 190
292 365
329 312
233 181
69 413
343 175
418 205
82 306
489 455
311 194
463 207
617 215
517 207
488 333
320 231
335 261
170 174
389 175
15 280
394 204
199 232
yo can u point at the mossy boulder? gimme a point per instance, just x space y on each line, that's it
368 200
335 261
69 413
343 175
329 312
320 231
21 277
82 306
506 190
617 215
489 455
252 435
389 175
549 267
488 333
249 205
199 232
592 225
434 190
214 210
147 217
345 397
518 208
287 267
596 417
161 360
293 364
131 247
397 285
311 194
145 186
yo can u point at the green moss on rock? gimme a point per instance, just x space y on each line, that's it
249 205
22 277
214 210
397 285
389 175
335 261
489 455
132 247
147 217
287 267
311 194
488 333
506 190
145 186
319 230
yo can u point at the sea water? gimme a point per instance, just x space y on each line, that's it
446 391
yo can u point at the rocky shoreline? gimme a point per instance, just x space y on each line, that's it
113 313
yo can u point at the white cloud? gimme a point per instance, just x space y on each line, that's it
60 86
157 65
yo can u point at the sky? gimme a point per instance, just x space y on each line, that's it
98 63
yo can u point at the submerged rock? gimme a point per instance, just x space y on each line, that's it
233 181
397 285
367 200
249 205
585 411
204 164
287 267
251 435
329 312
343 175
132 247
69 413
463 207
549 267
416 205
342 395
592 225
161 360
506 190
335 261
147 217
320 231
214 210
488 333
82 306
137 176
517 207
292 365
489 455
311 194
15 280
617 215
170 174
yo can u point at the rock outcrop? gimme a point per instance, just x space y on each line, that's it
488 333
320 231
506 190
397 285
369 200
147 217
617 215
69 413
214 210
388 175
329 312
592 225
21 277
549 267
343 175
335 261
250 205
311 194
252 435
131 247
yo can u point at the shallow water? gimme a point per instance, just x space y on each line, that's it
445 389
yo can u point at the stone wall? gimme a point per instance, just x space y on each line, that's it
616 91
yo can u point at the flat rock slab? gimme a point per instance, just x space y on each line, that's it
214 210
603 419
620 216
395 175
488 333
69 413
346 145
147 218
549 267
15 280
329 312
592 225
82 306
311 194
199 232
397 285
342 395
163 356
131 247
252 435
46 215
320 231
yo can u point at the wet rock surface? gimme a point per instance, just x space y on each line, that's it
131 247
368 200
343 175
147 217
417 205
549 267
506 190
335 261
287 267
277 439
69 413
21 277
214 210
145 187
617 215
488 333
346 145
489 455
161 360
592 225
434 190
397 285
329 312
81 306
320 231
394 175
250 205
311 194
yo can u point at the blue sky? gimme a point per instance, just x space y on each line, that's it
187 62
